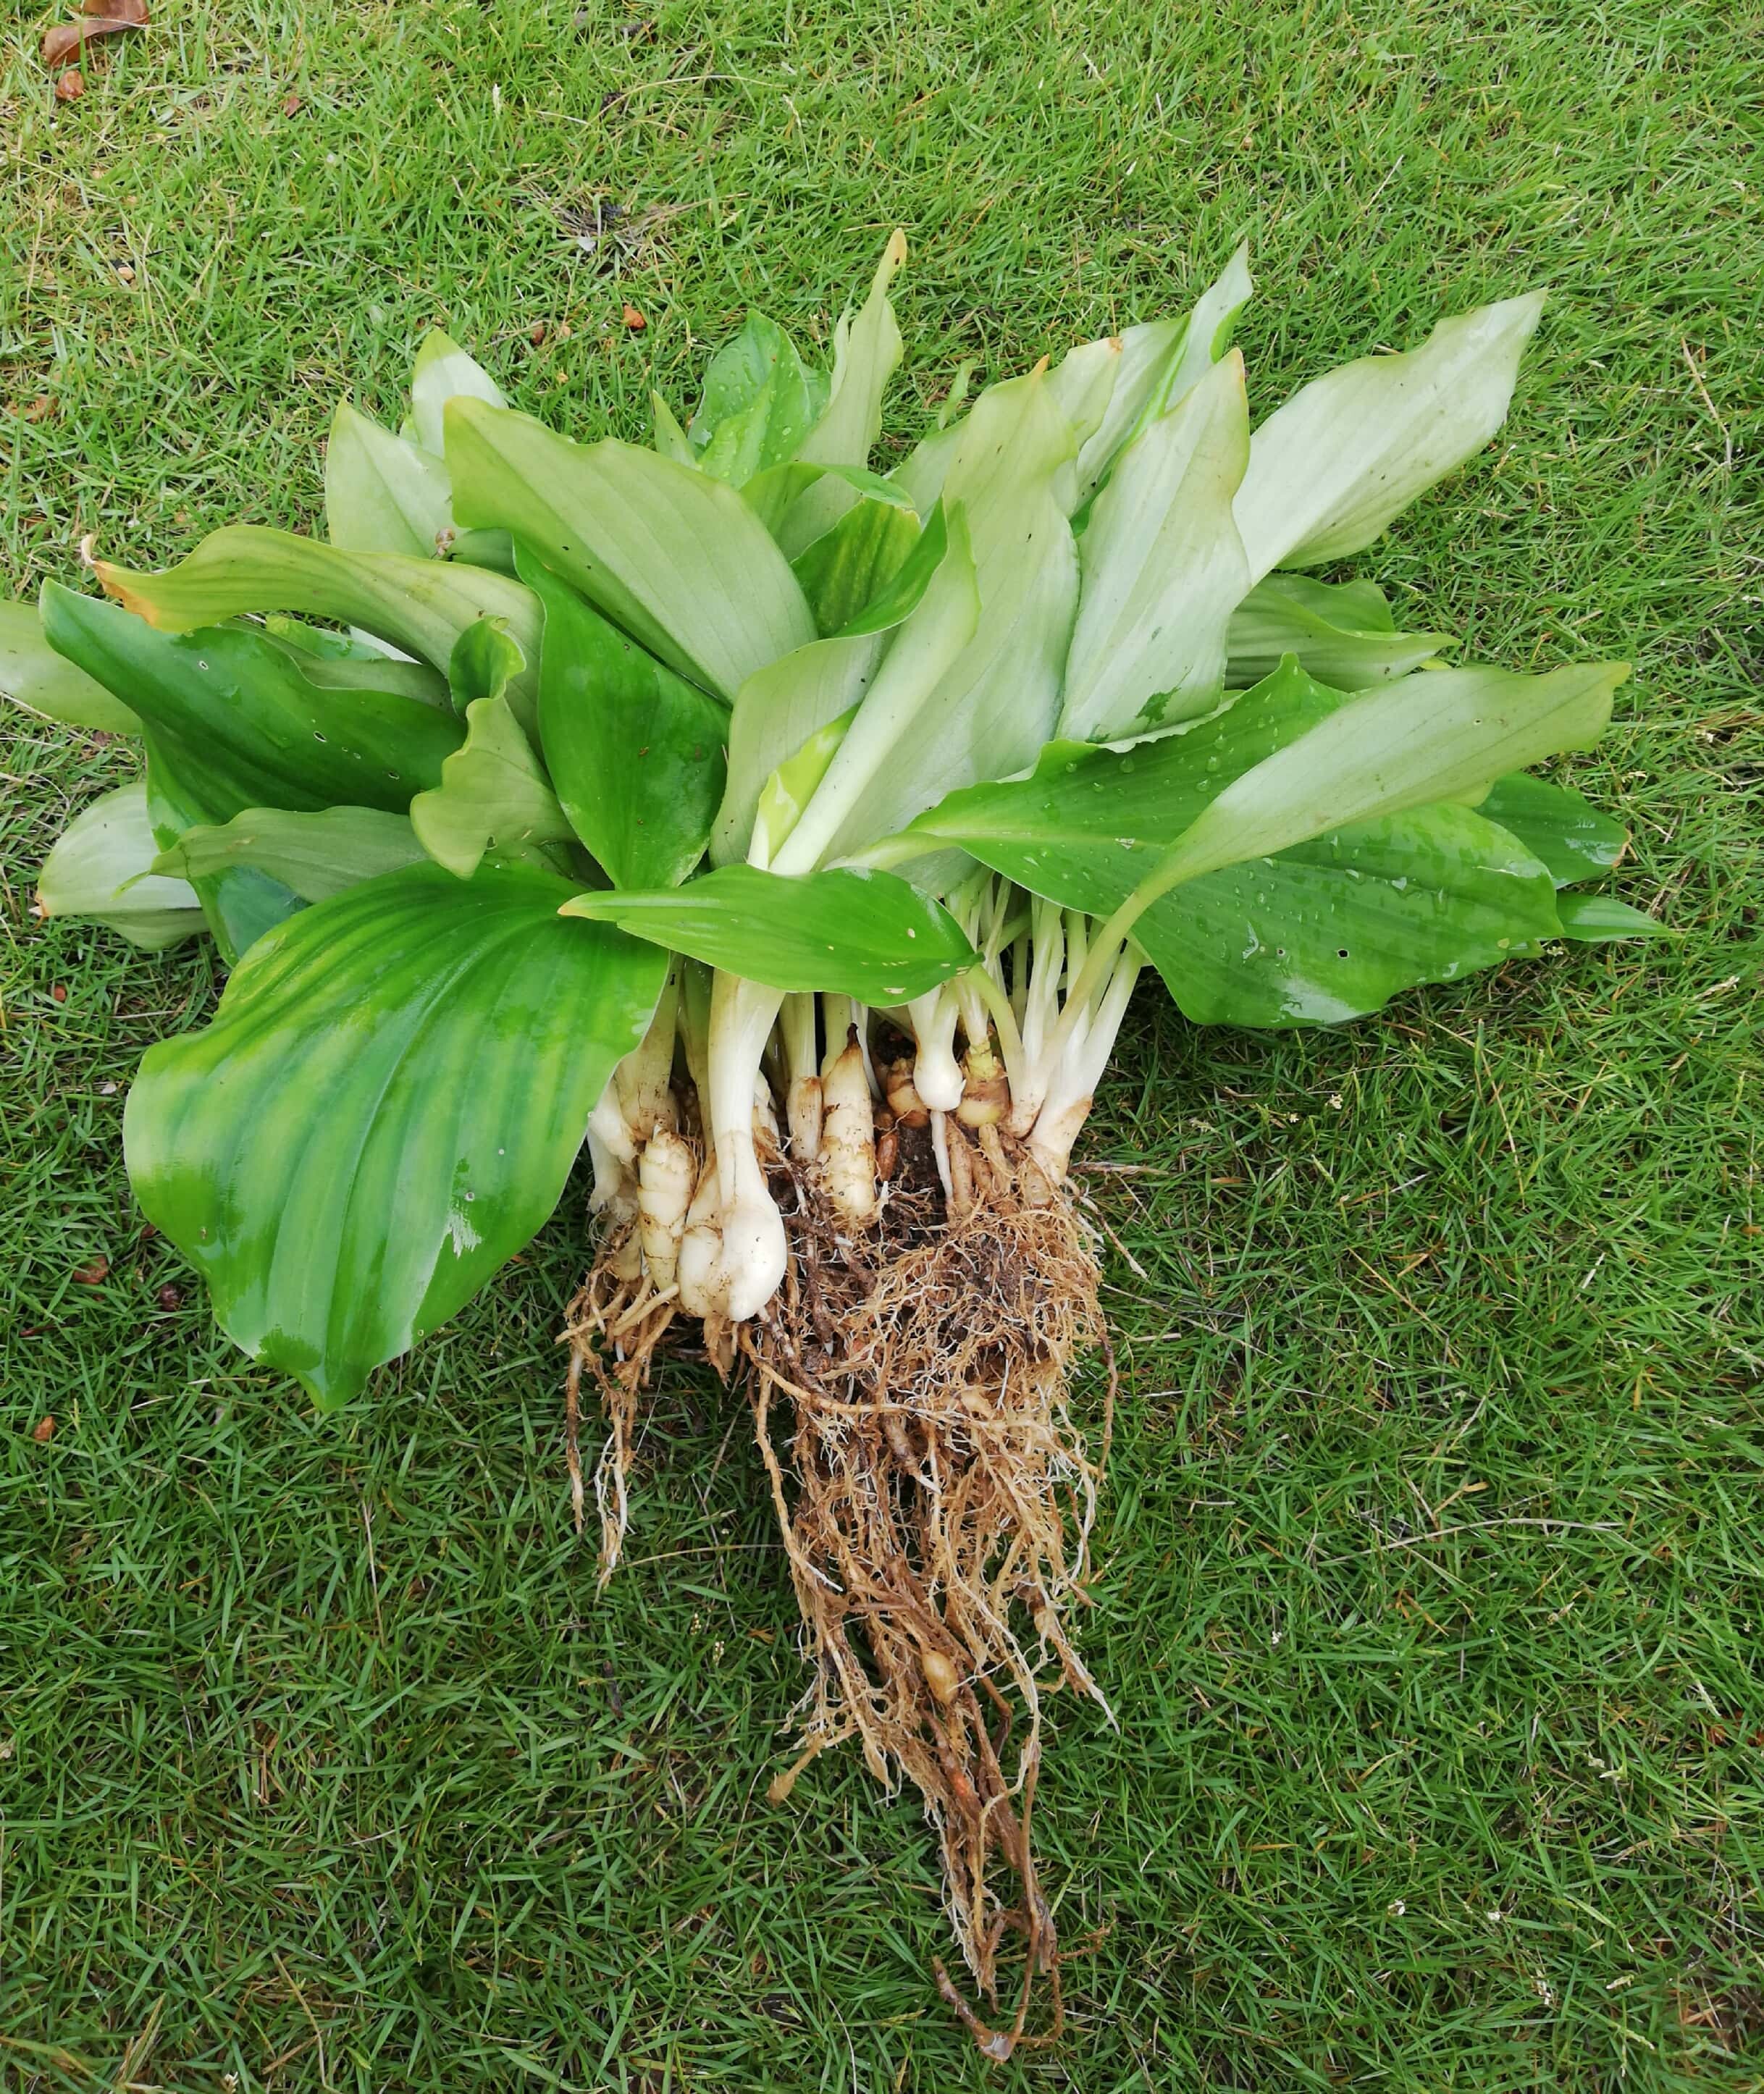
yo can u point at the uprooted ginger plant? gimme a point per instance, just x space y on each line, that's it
796 835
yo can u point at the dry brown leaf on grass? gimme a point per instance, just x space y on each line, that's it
98 18
70 86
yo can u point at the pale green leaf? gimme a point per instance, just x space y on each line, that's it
1314 622
33 675
314 855
382 494
1329 469
102 867
443 371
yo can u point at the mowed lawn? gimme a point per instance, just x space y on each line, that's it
1435 1530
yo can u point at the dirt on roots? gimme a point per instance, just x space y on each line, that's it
909 1386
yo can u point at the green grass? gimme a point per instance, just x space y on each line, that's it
1434 1538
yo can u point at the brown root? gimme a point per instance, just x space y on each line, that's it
612 1328
936 1502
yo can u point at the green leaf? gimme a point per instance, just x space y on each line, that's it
33 675
244 718
1163 568
1569 835
848 568
313 855
778 709
443 371
241 902
1333 928
493 795
671 439
792 785
382 494
634 751
674 557
866 352
420 606
1329 469
1341 634
758 403
385 1107
847 932
102 867
994 707
1593 918
772 495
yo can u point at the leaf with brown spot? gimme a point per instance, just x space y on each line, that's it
95 1273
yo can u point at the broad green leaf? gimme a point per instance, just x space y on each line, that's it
847 932
241 902
1163 568
33 675
758 404
102 867
494 549
771 495
420 606
443 371
245 721
866 352
634 751
1593 918
313 855
385 1107
674 557
1570 837
1329 469
1333 928
847 568
493 794
1436 735
1343 635
994 708
777 709
357 666
382 494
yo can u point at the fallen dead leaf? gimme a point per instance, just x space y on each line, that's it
70 85
59 991
95 1273
98 18
535 334
124 273
290 105
44 1429
170 1296
634 319
40 409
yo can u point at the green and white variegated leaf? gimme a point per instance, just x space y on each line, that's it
791 787
1012 478
493 794
759 403
846 932
1570 837
847 568
33 675
634 751
381 494
248 726
778 708
867 353
1342 634
443 371
385 1109
1159 364
774 496
314 855
102 867
420 606
673 556
1329 469
1163 568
